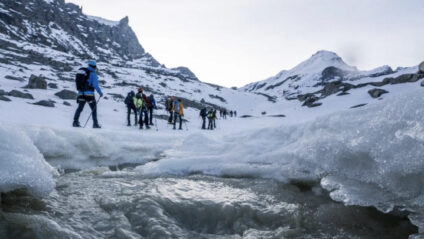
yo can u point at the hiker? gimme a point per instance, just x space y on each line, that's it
87 81
178 113
231 113
203 114
214 118
169 103
235 113
225 114
210 119
141 102
150 106
129 101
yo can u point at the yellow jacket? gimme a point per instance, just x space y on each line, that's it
181 111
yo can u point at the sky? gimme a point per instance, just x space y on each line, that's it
236 42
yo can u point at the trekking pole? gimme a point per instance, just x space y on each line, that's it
156 124
95 108
185 122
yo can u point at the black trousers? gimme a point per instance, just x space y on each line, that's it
178 116
131 107
81 100
151 115
143 111
203 122
171 114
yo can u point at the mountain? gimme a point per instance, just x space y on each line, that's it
47 41
324 74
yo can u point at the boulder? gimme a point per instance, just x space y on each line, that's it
421 68
52 85
14 78
67 95
4 98
16 93
37 82
66 103
375 93
46 103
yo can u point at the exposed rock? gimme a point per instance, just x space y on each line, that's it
422 83
2 92
343 93
272 99
4 98
357 106
277 116
37 82
117 97
218 97
15 78
66 103
331 73
16 93
46 103
67 95
421 68
246 116
375 93
263 113
52 85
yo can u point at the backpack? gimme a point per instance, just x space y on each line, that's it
149 102
203 112
81 79
129 99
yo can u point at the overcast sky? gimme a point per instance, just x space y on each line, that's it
235 42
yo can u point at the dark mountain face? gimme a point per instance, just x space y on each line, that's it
63 27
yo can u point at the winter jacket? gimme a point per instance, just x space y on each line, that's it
178 108
152 102
138 101
93 81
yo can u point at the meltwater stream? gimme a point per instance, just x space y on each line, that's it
100 203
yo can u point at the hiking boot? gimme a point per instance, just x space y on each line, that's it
76 124
151 124
129 124
96 126
180 129
147 127
141 127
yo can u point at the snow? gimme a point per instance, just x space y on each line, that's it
22 165
103 21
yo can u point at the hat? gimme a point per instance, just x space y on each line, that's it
140 89
92 63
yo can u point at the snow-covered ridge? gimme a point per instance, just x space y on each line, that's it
103 21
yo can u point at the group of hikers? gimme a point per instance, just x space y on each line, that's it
138 103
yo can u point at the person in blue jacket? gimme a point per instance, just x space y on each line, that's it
87 96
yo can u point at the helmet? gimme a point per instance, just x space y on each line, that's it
140 89
92 63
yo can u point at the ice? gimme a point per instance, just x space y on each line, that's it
368 157
22 165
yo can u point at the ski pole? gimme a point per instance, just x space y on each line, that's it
156 124
95 108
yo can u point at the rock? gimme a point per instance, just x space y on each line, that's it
246 116
421 68
263 113
14 78
16 93
422 83
117 97
2 92
46 103
343 93
4 98
37 82
278 116
52 85
66 103
375 93
67 95
310 101
357 106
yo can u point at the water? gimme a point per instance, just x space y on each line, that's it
100 203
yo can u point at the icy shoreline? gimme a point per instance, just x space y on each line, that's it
365 157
